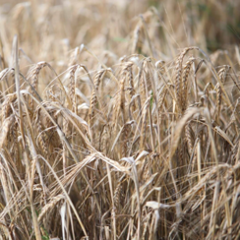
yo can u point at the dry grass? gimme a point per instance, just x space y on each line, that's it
130 135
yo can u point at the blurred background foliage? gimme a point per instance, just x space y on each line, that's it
54 26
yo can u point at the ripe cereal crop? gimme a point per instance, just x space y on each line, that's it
119 120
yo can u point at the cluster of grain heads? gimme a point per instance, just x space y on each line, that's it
146 149
92 147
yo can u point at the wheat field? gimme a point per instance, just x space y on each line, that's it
119 120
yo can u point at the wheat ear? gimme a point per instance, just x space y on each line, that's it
33 78
184 94
178 77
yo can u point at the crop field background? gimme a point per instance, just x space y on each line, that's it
119 119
